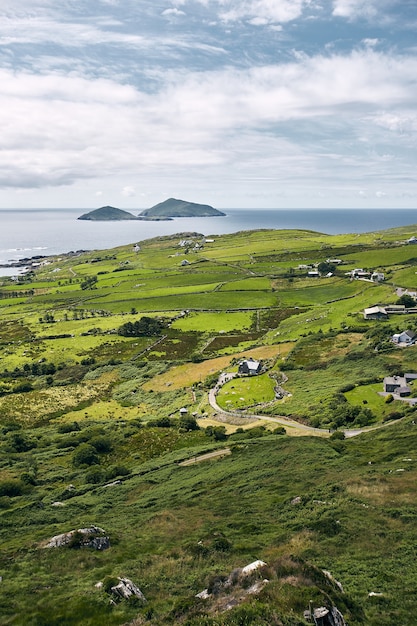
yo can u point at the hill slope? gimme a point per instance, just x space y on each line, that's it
180 208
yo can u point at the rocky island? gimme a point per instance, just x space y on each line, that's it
160 212
179 208
107 214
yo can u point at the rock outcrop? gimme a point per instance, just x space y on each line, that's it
126 589
92 537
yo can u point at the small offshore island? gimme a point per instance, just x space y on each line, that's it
163 211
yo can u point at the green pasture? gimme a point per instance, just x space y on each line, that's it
214 322
406 278
320 291
369 395
198 301
248 284
381 258
240 393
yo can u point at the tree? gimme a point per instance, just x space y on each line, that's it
143 327
326 268
89 282
407 300
188 422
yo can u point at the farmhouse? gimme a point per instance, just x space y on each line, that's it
397 385
407 337
250 367
375 313
377 277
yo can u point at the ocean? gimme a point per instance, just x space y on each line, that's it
30 232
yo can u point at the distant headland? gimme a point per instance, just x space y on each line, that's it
163 211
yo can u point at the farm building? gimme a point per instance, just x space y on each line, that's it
250 367
375 313
397 385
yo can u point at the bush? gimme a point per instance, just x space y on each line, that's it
347 388
117 470
18 442
187 423
95 476
389 398
69 427
338 435
22 388
217 432
85 455
101 443
11 488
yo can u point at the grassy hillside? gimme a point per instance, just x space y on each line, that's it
99 352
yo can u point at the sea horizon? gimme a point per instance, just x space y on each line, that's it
26 233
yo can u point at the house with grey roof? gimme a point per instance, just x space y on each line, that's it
405 338
250 367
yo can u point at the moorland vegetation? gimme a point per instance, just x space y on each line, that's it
106 361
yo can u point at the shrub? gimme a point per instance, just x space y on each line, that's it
85 455
18 442
22 388
347 388
162 422
11 488
187 423
217 432
116 470
94 476
338 435
389 398
68 427
101 443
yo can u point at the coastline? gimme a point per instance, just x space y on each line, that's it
30 234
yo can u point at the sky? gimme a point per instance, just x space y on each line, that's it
233 103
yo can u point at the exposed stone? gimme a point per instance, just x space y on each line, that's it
126 589
296 500
92 537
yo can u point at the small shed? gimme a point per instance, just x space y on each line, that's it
250 367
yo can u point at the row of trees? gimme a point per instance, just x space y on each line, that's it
143 327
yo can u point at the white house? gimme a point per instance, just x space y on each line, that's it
377 277
407 337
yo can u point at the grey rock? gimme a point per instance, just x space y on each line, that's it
126 589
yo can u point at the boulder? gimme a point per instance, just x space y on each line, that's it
92 537
125 589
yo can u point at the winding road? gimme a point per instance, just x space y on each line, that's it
285 421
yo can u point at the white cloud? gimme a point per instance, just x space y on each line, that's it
374 10
354 8
291 122
263 11
173 12
128 192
